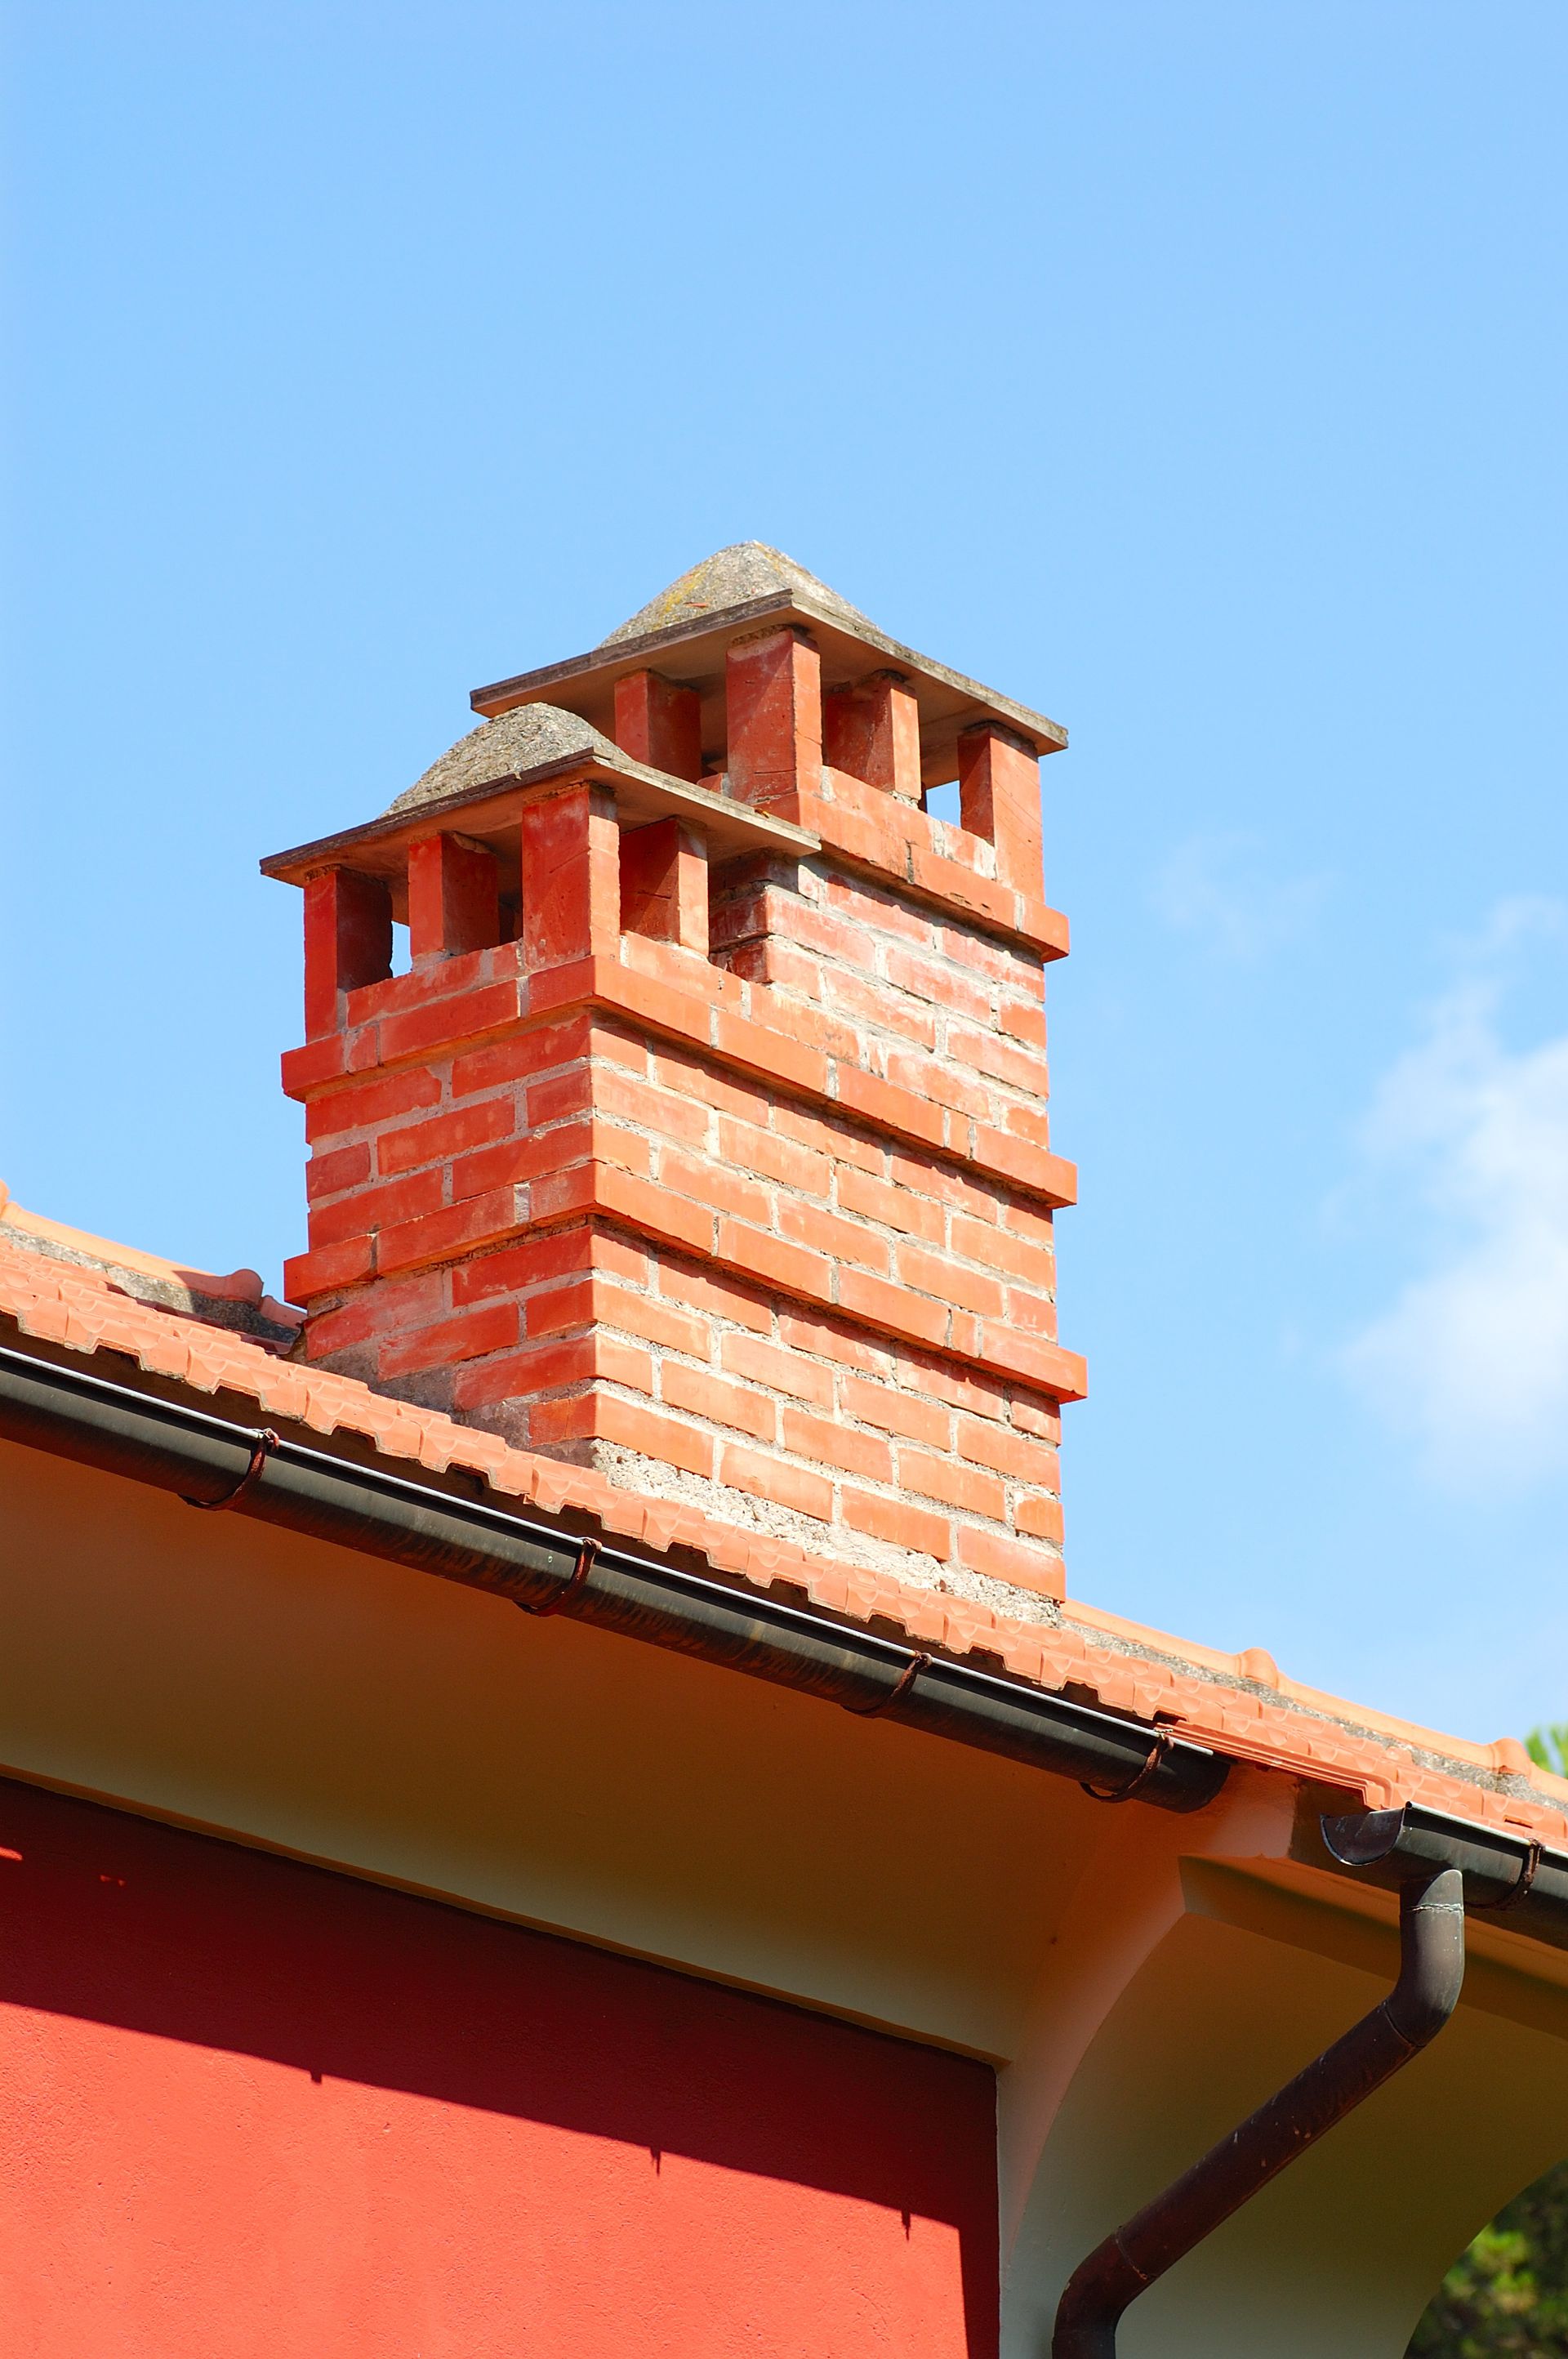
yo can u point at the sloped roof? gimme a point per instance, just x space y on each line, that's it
56 1287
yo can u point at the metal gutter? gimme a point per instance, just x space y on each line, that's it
1432 1972
213 1463
1523 1886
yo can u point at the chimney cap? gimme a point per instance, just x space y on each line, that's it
475 787
685 634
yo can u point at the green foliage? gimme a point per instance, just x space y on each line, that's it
1549 1746
1507 2297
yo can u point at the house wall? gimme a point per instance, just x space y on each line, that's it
251 2106
1137 1978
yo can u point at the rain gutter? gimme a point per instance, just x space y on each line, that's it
215 1463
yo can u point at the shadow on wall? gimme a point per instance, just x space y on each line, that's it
257 2105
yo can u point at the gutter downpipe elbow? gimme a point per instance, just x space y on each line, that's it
1432 1971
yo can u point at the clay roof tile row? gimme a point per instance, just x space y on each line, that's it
1241 1705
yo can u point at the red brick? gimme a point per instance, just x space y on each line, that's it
328 1175
1021 1069
549 1367
453 899
998 794
664 885
866 1454
743 1144
871 905
572 877
891 1307
708 1182
370 1209
1039 1416
872 732
445 1135
846 1241
944 985
939 1275
1045 1176
559 1309
396 1304
716 1295
943 1084
963 1388
967 1488
687 1077
1011 1560
899 1522
1044 1365
1005 1452
465 1016
361 1105
777 1053
948 879
535 1261
774 701
774 1478
772 1261
654 1321
662 1111
315 1064
784 1372
700 1395
661 1438
896 1411
898 1110
482 1220
1040 1518
660 722
490 1329
833 1339
871 1003
328 1269
961 1190
347 941
538 1051
1023 1019
896 1208
992 1246
560 1097
1031 1312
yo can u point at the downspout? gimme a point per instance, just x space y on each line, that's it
1432 1969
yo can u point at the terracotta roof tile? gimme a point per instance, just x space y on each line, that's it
1240 1704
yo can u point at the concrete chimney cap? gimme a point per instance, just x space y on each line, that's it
519 740
731 577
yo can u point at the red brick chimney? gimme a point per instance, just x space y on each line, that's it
704 1138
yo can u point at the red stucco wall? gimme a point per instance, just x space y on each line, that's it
249 2107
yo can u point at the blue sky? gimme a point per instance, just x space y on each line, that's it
1192 373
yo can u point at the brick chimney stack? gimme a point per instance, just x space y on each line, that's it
704 1138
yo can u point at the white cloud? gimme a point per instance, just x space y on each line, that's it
1213 886
1471 1359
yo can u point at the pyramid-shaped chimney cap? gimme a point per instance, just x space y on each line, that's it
732 577
685 632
